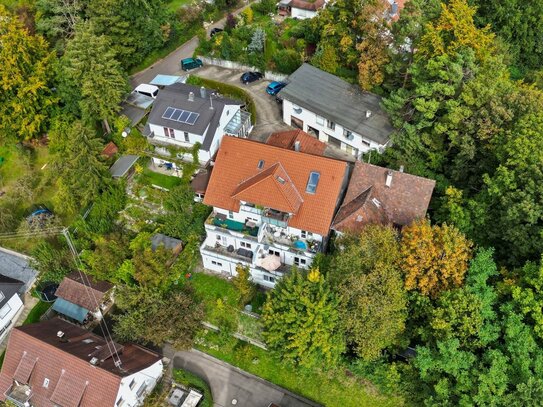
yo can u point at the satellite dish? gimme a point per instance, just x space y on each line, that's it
124 134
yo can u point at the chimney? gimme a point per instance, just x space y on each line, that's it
94 361
297 145
401 168
388 181
368 114
203 92
191 96
60 334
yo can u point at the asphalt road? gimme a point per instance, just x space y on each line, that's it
169 65
229 383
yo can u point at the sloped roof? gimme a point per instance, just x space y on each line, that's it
16 266
271 188
110 149
9 287
123 165
341 102
87 293
370 201
168 242
177 96
307 5
287 139
237 162
73 381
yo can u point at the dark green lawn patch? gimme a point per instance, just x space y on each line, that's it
189 380
35 314
154 178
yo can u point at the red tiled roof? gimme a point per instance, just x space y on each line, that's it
370 201
110 149
272 188
86 292
237 161
287 139
73 381
24 368
307 5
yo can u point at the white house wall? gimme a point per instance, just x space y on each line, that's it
11 308
149 376
358 142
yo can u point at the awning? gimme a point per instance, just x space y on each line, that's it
70 309
165 80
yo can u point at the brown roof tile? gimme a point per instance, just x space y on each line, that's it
369 200
110 149
75 289
24 368
237 161
287 139
307 5
73 381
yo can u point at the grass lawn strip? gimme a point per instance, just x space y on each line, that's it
154 178
189 380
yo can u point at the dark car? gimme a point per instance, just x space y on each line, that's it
215 31
274 87
191 63
249 77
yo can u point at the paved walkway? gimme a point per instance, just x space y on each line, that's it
229 383
169 65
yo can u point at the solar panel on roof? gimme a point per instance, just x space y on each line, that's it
180 115
168 113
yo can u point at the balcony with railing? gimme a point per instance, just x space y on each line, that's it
275 218
19 394
235 228
275 235
239 254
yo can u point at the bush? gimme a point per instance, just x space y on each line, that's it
287 61
264 7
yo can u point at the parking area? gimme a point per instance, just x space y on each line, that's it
268 111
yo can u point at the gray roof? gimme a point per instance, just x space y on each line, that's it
9 287
339 101
17 267
167 241
177 96
122 165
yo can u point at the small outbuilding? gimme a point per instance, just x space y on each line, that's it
124 166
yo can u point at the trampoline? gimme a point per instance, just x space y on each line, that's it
47 293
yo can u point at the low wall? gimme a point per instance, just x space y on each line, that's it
271 76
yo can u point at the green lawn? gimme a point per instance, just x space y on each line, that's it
188 379
165 181
211 288
39 309
173 5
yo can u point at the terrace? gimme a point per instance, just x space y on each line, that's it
240 254
279 236
19 394
221 221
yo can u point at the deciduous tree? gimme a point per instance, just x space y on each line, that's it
366 274
301 320
433 258
242 281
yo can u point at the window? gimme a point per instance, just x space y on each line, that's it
46 383
299 261
348 134
132 384
270 279
231 214
260 164
169 132
119 402
312 182
280 180
216 263
246 245
366 143
141 390
297 109
218 237
330 124
303 234
4 311
320 120
2 296
186 134
88 340
274 252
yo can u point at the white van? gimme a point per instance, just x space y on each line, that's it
147 90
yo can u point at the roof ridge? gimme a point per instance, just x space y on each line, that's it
269 169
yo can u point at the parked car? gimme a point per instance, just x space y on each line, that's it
147 90
191 63
215 31
249 77
274 87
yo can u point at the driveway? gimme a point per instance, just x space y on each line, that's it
229 383
169 65
268 111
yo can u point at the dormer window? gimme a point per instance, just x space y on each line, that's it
312 182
